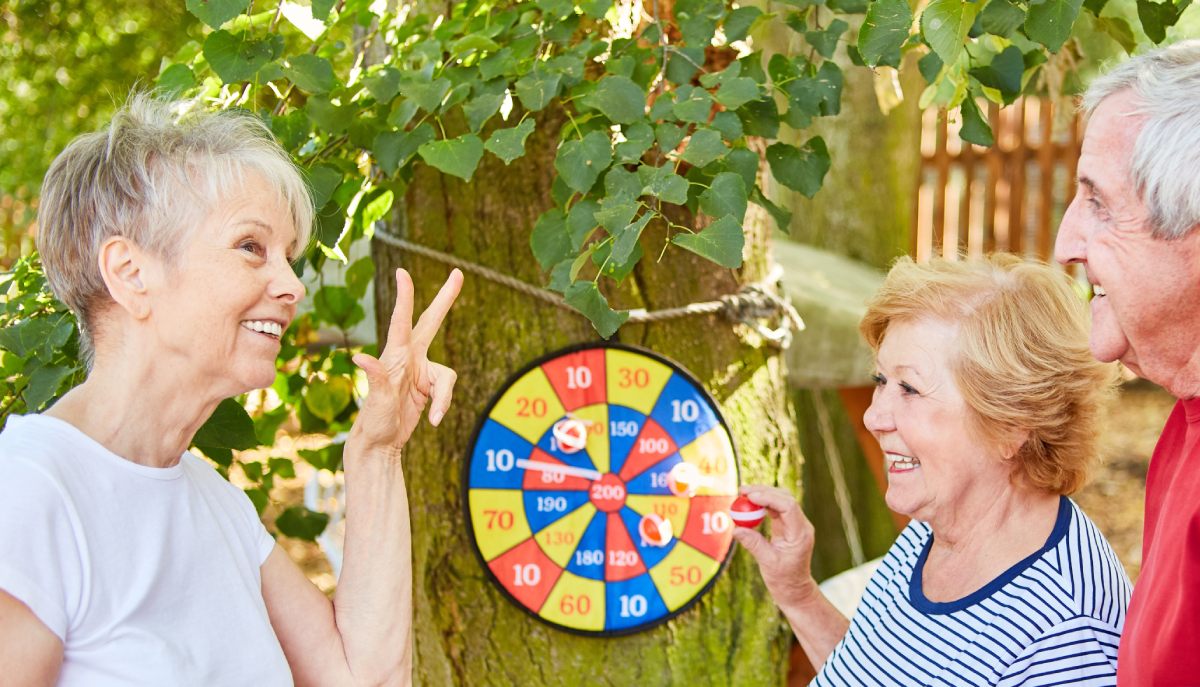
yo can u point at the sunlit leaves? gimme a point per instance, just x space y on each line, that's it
509 144
945 24
1156 17
580 162
586 298
216 12
1050 22
457 156
228 427
619 98
237 56
310 72
884 31
722 242
800 169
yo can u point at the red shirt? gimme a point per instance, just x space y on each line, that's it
1161 641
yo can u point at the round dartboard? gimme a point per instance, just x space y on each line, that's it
598 488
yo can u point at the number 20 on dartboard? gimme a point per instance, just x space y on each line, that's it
597 488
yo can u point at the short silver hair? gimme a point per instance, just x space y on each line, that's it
1165 84
156 172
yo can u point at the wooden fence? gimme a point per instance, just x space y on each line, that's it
1010 197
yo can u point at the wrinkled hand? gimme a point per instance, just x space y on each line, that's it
785 560
402 380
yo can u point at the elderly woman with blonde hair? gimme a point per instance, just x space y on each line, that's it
986 406
124 558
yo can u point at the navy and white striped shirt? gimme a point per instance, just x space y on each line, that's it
1052 619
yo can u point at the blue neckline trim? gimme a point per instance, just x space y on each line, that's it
916 593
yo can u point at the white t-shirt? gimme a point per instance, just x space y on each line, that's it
150 576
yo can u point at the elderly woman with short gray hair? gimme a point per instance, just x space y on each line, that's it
127 560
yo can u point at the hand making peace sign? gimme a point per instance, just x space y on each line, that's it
402 379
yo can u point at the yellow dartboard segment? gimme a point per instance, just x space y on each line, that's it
498 518
597 437
576 602
634 380
681 574
560 540
529 407
713 453
673 508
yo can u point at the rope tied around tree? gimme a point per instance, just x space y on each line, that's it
754 305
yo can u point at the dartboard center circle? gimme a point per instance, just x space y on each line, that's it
608 493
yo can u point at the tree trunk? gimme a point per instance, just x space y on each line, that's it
467 632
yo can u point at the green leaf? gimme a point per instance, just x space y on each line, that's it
704 147
615 213
1001 18
282 467
1004 73
621 184
509 144
760 118
800 169
739 21
457 156
883 31
43 385
663 183
580 162
549 240
335 305
729 125
480 109
722 242
311 73
216 12
235 57
619 99
581 222
848 6
587 299
323 179
291 129
375 206
737 92
384 84
669 136
725 196
782 216
1156 17
537 89
402 113
638 139
1050 22
321 8
626 240
1095 6
975 128
359 275
742 161
327 458
1119 30
825 42
176 79
473 42
617 271
395 148
429 96
945 24
693 105
328 398
229 427
301 523
683 63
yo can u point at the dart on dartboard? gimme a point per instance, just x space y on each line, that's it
746 513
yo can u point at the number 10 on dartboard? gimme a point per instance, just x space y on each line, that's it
597 489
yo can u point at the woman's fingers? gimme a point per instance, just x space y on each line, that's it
752 541
431 320
400 326
773 498
441 392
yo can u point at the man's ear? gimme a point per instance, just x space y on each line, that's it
124 267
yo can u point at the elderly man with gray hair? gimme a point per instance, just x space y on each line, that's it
1134 226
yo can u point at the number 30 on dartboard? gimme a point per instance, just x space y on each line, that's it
597 489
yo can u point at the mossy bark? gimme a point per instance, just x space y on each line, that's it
467 632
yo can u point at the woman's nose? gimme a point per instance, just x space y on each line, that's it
878 418
286 286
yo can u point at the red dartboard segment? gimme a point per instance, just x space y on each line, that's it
709 528
622 561
649 449
578 378
526 573
568 560
546 481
